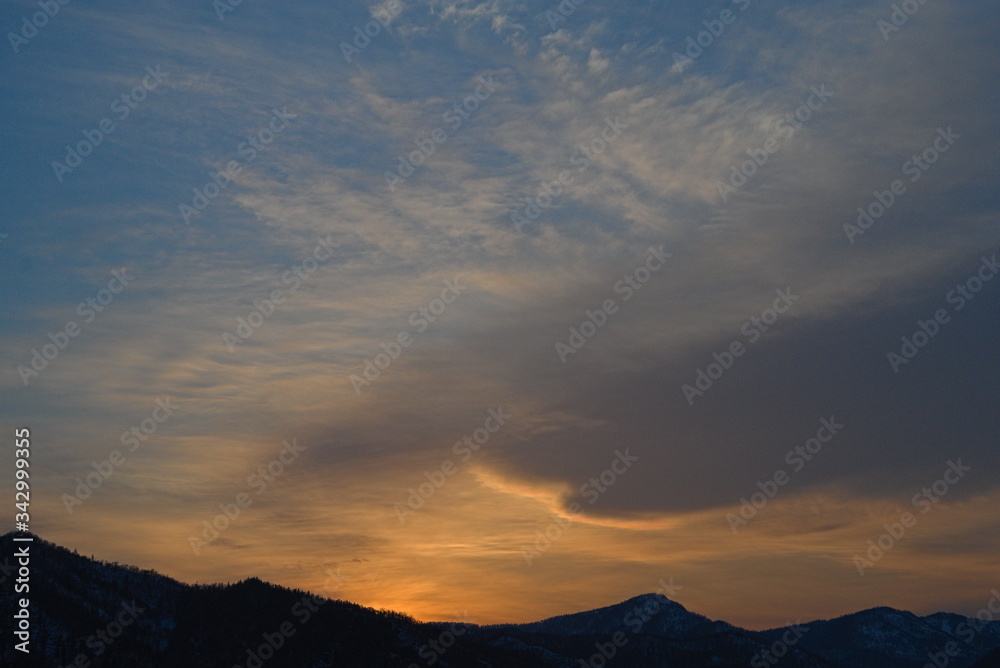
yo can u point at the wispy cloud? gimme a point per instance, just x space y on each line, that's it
656 183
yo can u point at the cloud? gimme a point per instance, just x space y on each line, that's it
656 183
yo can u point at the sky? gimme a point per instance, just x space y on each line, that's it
507 309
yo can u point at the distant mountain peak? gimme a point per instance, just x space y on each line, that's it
659 598
653 613
210 625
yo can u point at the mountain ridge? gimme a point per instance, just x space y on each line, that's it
237 624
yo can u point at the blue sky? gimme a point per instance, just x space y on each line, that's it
310 214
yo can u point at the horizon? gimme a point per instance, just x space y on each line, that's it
658 593
506 308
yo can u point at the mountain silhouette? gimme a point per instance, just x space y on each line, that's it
94 614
